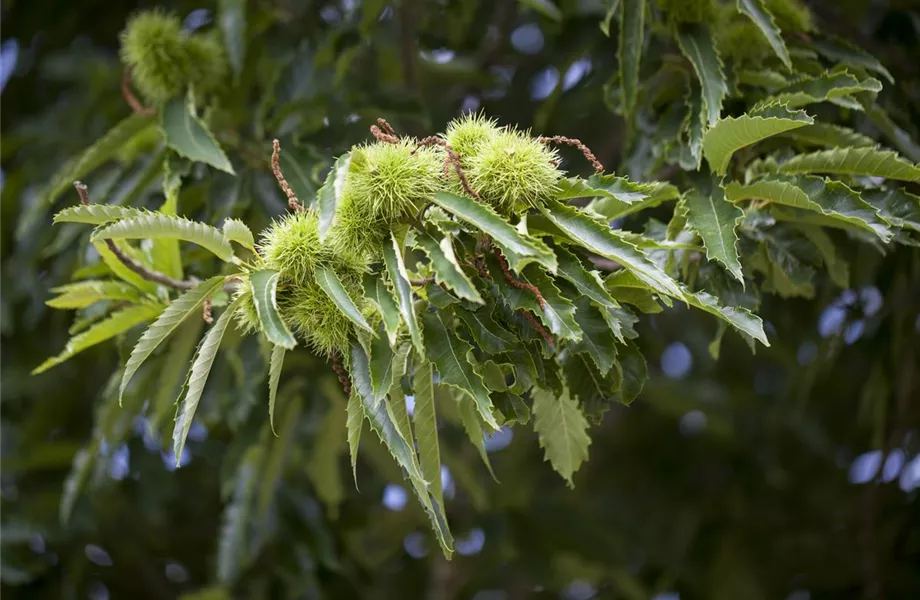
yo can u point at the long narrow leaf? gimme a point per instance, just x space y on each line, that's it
264 284
157 225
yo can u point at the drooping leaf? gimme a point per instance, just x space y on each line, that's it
518 248
115 324
562 429
97 214
588 283
396 268
332 285
450 356
491 337
198 376
692 130
829 136
120 270
757 11
714 218
897 206
842 52
274 376
188 135
426 431
376 291
446 269
698 46
631 40
731 134
738 317
353 424
827 86
612 208
472 424
328 197
596 393
237 231
873 162
601 240
172 375
597 340
158 225
634 371
382 359
830 198
99 153
264 286
84 293
188 303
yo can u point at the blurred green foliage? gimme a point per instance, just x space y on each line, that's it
790 473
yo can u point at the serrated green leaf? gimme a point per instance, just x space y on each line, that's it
562 429
842 52
634 371
382 423
595 393
611 208
99 153
332 285
84 293
172 374
491 337
446 269
97 214
600 239
376 291
157 225
328 197
450 356
873 162
738 317
714 218
198 376
588 283
472 424
830 198
180 308
382 359
237 231
597 340
827 86
274 376
116 323
631 41
232 547
697 45
896 206
603 186
426 431
264 286
188 135
757 11
396 268
165 254
829 136
121 271
519 249
692 129
730 135
355 420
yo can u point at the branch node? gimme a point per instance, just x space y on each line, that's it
293 203
389 138
561 139
385 126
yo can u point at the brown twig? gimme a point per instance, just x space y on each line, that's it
386 126
521 285
293 203
451 159
421 281
206 311
137 267
388 138
130 98
561 139
536 325
340 371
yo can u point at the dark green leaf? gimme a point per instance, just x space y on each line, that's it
264 285
188 135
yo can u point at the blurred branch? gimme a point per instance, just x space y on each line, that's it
130 98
